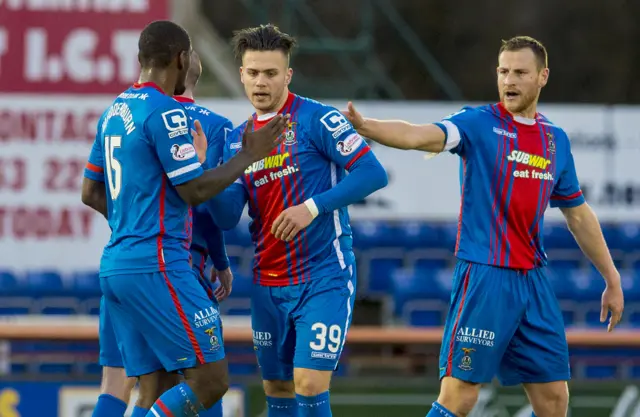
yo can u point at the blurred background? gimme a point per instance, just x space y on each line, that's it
62 62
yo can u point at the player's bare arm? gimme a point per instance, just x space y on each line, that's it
256 145
397 133
94 195
585 227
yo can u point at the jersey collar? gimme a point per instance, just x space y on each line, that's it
183 99
148 84
517 119
269 116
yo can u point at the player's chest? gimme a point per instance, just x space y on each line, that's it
282 169
523 159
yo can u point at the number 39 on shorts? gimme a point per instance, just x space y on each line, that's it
326 337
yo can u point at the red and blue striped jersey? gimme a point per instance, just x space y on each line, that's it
512 168
319 148
143 149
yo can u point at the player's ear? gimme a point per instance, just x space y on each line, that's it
287 79
242 75
183 60
544 77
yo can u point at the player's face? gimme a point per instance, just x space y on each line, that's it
519 81
266 75
184 61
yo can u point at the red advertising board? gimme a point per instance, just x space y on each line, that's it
72 46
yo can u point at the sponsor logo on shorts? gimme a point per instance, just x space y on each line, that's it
475 336
324 355
206 317
213 339
465 363
262 339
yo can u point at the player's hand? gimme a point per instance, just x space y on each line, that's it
259 143
612 301
226 280
353 116
199 141
291 221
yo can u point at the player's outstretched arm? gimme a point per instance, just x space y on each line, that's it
585 227
256 145
94 195
397 133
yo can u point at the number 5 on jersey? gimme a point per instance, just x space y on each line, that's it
114 169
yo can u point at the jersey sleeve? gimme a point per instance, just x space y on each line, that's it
336 139
566 192
217 137
94 170
457 129
168 129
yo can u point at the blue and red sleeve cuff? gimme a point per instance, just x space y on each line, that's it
567 201
94 172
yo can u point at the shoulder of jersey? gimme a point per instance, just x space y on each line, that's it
560 132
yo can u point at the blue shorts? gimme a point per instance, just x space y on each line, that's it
109 352
503 322
302 326
199 265
162 320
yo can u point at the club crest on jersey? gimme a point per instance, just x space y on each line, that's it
290 134
552 143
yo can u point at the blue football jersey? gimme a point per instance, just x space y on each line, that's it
320 146
512 169
144 149
216 128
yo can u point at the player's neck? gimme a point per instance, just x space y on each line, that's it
159 77
188 93
279 105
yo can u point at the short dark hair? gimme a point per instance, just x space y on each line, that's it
195 70
160 42
262 38
522 42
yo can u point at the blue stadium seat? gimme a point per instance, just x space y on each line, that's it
235 306
565 259
16 305
609 372
424 313
588 285
86 283
449 234
412 284
571 313
430 259
378 265
371 234
44 283
420 234
612 234
557 236
562 282
8 283
629 235
58 305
